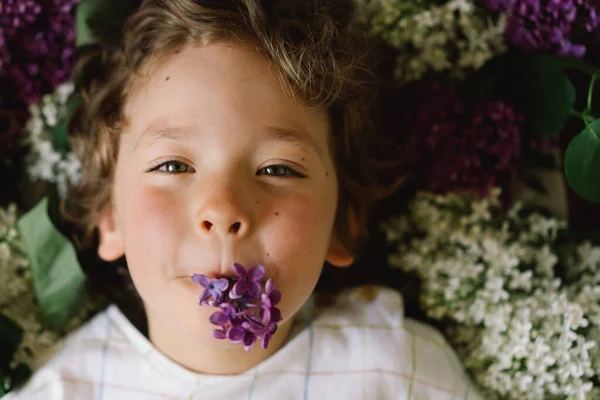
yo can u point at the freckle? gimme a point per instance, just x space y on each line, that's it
326 173
268 255
303 159
167 78
257 202
276 213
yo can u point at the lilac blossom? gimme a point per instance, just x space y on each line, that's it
240 300
270 299
547 25
212 288
37 46
248 282
453 147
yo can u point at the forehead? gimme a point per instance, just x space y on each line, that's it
220 85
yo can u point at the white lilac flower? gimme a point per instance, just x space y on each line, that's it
17 297
44 161
455 37
535 353
488 275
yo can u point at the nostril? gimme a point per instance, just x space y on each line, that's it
235 227
207 225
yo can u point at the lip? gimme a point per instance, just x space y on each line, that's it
217 272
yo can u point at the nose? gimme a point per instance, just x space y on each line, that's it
222 213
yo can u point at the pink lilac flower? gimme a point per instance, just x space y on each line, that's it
239 300
547 25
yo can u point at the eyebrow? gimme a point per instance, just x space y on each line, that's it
299 139
151 136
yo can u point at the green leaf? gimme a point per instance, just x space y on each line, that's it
548 94
101 21
59 134
57 277
582 163
3 383
11 335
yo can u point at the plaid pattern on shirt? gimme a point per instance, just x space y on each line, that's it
361 347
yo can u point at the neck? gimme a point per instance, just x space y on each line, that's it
187 352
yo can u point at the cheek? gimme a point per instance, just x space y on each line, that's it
302 223
149 227
150 212
297 242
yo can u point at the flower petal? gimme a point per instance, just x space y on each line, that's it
254 289
275 314
236 334
270 286
266 316
219 318
219 334
265 341
240 271
266 301
201 280
256 272
249 339
275 297
204 297
239 289
220 284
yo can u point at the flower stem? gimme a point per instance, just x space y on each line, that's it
591 91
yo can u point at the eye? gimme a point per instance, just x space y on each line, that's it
172 167
280 171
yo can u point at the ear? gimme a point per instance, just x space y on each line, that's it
110 247
337 254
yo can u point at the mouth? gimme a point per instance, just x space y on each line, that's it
225 271
248 307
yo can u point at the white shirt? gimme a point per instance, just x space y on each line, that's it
359 348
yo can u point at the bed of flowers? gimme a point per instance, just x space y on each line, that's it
478 97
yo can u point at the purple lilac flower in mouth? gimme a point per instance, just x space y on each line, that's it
212 288
246 314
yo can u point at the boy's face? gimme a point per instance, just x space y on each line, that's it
218 165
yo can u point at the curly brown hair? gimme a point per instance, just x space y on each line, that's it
320 59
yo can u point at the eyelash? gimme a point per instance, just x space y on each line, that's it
290 172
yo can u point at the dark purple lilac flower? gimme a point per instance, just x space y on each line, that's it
494 130
248 282
223 317
547 25
37 46
243 333
268 334
451 147
237 319
214 288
